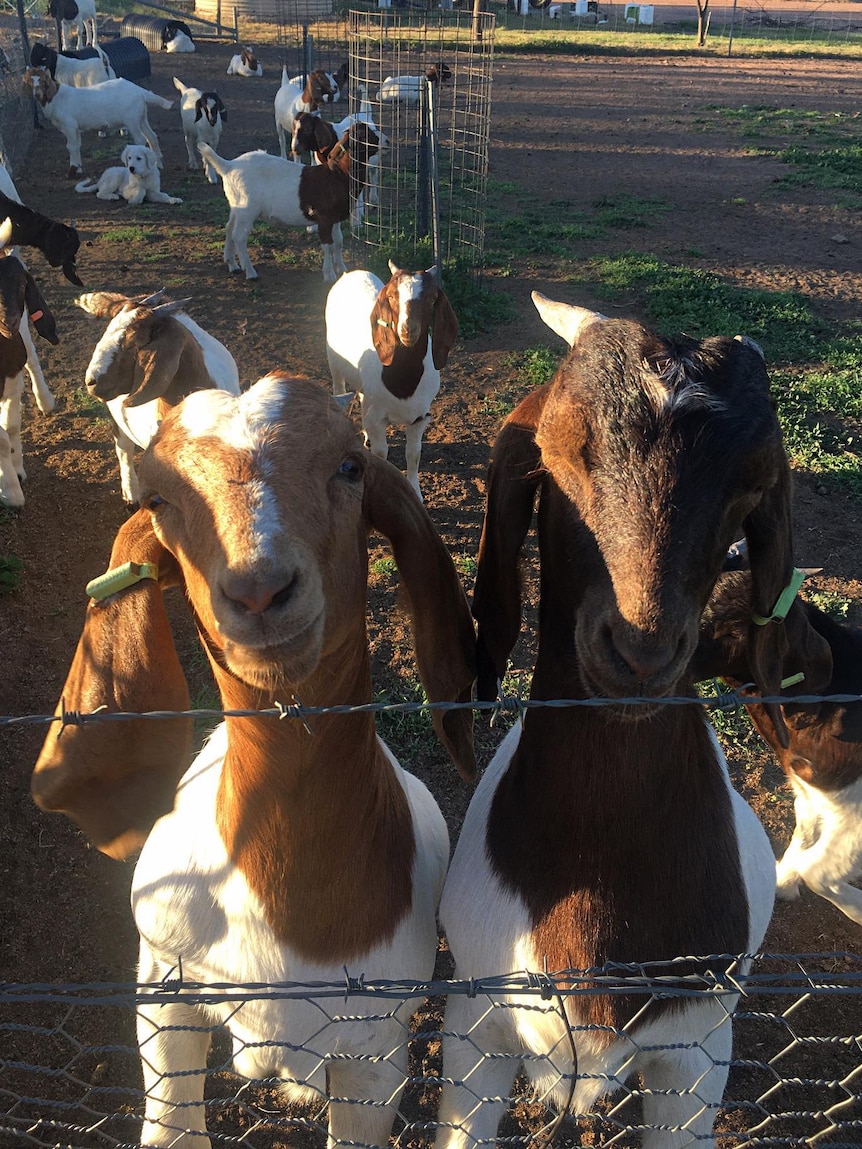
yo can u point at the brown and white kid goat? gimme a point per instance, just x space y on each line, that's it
612 834
292 852
387 342
823 757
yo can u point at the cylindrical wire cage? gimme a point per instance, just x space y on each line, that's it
401 47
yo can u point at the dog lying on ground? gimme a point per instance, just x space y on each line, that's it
135 180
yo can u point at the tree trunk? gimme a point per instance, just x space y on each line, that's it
702 22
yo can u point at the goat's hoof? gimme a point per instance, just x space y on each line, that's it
74 173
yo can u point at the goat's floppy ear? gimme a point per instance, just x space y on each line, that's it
199 108
103 304
114 779
41 316
156 365
770 549
444 330
514 474
383 320
443 633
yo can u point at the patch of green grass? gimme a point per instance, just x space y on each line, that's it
624 211
828 168
677 298
405 731
83 403
11 569
385 566
837 606
131 234
533 367
465 564
757 120
730 721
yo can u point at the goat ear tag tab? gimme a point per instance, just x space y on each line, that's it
785 600
119 578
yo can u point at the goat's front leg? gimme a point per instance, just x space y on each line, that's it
73 144
374 431
413 433
10 420
236 235
11 493
332 242
41 390
364 1097
193 159
173 1045
129 485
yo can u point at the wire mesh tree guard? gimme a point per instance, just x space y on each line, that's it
434 168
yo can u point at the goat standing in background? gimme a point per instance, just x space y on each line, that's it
151 355
77 15
288 856
203 115
388 343
613 834
20 298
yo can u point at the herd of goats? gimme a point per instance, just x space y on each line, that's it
605 832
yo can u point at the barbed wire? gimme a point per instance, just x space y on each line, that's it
506 704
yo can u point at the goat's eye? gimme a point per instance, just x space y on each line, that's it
349 469
153 502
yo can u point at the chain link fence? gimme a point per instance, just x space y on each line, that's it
17 110
70 1068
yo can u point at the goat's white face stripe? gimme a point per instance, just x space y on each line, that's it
241 424
409 290
108 346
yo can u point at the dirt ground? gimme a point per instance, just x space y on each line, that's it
564 128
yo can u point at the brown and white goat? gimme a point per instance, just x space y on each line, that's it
150 356
19 297
245 63
823 758
256 184
292 852
387 342
612 834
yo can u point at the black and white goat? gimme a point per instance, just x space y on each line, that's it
388 342
68 69
19 298
78 16
823 757
203 115
256 184
150 357
177 37
612 835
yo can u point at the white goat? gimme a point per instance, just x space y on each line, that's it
245 63
203 116
150 357
19 296
41 391
388 343
406 89
292 98
69 70
257 184
78 16
288 855
600 836
112 104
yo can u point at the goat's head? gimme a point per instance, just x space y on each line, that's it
40 84
60 245
209 105
342 76
44 56
825 738
319 88
144 354
18 291
438 73
410 305
249 59
62 9
311 134
652 455
263 504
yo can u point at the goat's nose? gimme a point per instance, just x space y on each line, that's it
250 595
644 659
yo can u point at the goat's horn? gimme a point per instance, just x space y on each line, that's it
149 300
568 322
170 308
6 233
747 341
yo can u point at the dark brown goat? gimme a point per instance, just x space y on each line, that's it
611 834
823 759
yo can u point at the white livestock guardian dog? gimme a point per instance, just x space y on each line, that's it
135 179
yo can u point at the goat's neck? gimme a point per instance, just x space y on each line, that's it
315 820
402 376
638 857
